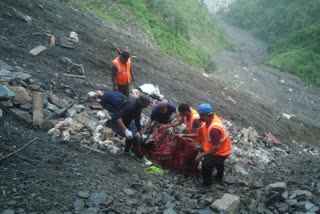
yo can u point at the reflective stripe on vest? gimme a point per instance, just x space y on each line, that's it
201 130
123 71
224 142
226 132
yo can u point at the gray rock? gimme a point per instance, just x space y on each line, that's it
292 202
285 195
78 205
170 205
5 66
274 197
6 93
83 194
310 207
300 193
188 203
65 42
78 108
166 198
282 207
22 76
262 209
8 212
52 107
98 198
205 202
26 107
128 191
239 169
279 187
1 113
6 75
71 112
91 210
169 211
23 114
228 204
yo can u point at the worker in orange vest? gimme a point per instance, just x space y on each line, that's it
121 73
216 145
193 122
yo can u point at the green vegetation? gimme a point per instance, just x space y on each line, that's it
171 24
291 27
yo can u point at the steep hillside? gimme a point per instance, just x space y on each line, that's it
170 24
41 174
292 29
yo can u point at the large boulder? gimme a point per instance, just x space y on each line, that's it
228 204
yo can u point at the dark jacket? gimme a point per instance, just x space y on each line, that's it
128 111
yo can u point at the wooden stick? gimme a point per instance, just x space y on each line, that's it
74 75
19 149
117 49
96 150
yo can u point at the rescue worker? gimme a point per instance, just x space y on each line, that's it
121 73
122 124
192 119
112 100
161 114
216 145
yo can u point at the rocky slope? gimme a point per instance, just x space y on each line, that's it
53 177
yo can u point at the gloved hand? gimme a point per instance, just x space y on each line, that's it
128 134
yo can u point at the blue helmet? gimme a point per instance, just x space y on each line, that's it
204 108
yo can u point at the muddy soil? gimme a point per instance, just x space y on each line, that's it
46 175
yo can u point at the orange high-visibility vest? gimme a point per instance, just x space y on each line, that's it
123 71
225 142
194 116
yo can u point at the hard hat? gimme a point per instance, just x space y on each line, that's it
204 108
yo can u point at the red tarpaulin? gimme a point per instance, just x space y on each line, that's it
174 153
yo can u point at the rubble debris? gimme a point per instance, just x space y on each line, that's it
37 50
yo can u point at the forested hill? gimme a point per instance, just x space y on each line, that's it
292 29
180 28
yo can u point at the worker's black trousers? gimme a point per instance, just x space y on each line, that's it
208 163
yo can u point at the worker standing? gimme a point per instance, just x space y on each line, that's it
121 73
216 145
